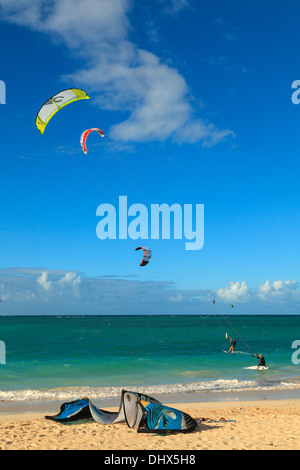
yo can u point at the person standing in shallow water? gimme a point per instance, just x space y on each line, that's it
262 361
233 345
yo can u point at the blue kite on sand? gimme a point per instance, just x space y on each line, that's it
139 411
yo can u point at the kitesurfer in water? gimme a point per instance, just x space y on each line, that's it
233 345
262 361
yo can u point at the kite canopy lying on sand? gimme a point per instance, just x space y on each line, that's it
85 135
139 411
55 103
146 255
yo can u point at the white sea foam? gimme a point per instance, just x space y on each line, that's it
71 393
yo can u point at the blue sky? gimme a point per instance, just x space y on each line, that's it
195 102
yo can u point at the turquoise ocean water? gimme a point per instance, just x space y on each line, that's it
49 357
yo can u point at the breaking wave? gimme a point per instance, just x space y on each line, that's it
221 385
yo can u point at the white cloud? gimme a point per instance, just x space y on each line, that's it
279 291
176 298
42 280
197 130
284 292
14 294
119 74
236 291
77 22
264 289
38 285
174 6
71 279
57 291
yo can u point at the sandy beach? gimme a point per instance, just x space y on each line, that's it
251 425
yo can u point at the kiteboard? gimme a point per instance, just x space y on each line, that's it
257 368
236 352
